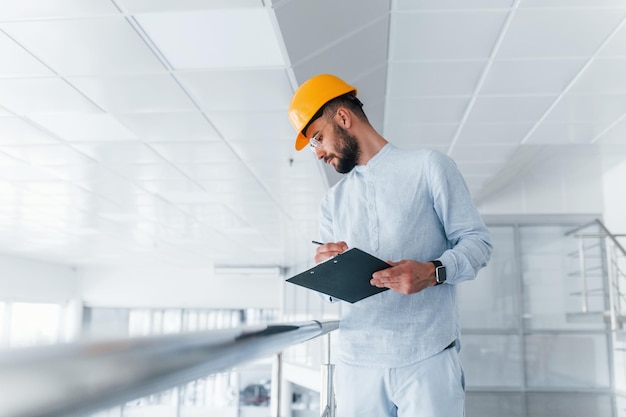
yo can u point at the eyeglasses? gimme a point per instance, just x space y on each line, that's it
316 141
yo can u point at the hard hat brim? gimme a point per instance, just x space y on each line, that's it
301 141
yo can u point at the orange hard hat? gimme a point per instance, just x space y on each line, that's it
310 97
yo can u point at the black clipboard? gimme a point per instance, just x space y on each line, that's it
346 276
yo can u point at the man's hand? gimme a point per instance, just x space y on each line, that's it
329 250
405 277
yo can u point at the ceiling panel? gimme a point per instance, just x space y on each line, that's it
451 4
134 93
566 133
83 175
216 170
144 6
479 168
216 215
239 90
509 109
603 76
376 114
84 127
22 63
190 153
427 135
530 77
497 133
234 193
298 20
176 36
20 172
112 187
615 133
177 191
17 131
18 9
94 205
408 79
116 153
554 33
160 127
587 108
583 4
302 169
426 110
362 52
53 188
445 35
486 153
616 45
262 126
253 150
47 155
9 160
90 46
372 87
42 95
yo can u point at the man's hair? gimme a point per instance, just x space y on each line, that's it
348 100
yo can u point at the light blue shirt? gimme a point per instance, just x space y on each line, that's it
405 205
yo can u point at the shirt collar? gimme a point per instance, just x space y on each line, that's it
380 155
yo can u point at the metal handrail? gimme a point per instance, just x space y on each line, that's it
606 233
78 378
613 277
613 237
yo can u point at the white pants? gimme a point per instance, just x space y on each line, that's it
434 387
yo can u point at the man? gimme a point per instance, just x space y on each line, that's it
398 354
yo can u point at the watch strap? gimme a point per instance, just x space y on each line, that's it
441 278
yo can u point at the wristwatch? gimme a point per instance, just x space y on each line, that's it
440 272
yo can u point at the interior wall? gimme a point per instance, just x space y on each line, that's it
151 287
29 280
568 182
615 199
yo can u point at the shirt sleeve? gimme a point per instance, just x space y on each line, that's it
468 237
325 221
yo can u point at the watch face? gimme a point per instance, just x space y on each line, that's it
440 272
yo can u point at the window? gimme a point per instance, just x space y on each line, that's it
34 324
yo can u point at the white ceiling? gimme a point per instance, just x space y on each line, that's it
136 131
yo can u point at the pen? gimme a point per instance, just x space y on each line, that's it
316 242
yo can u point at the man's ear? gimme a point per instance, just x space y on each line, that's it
344 118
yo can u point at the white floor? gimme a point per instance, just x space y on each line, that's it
553 404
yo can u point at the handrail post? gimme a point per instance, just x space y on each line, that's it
327 392
612 279
277 385
583 273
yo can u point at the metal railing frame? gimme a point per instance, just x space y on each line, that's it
613 272
78 378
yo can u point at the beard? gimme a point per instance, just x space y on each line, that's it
348 151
